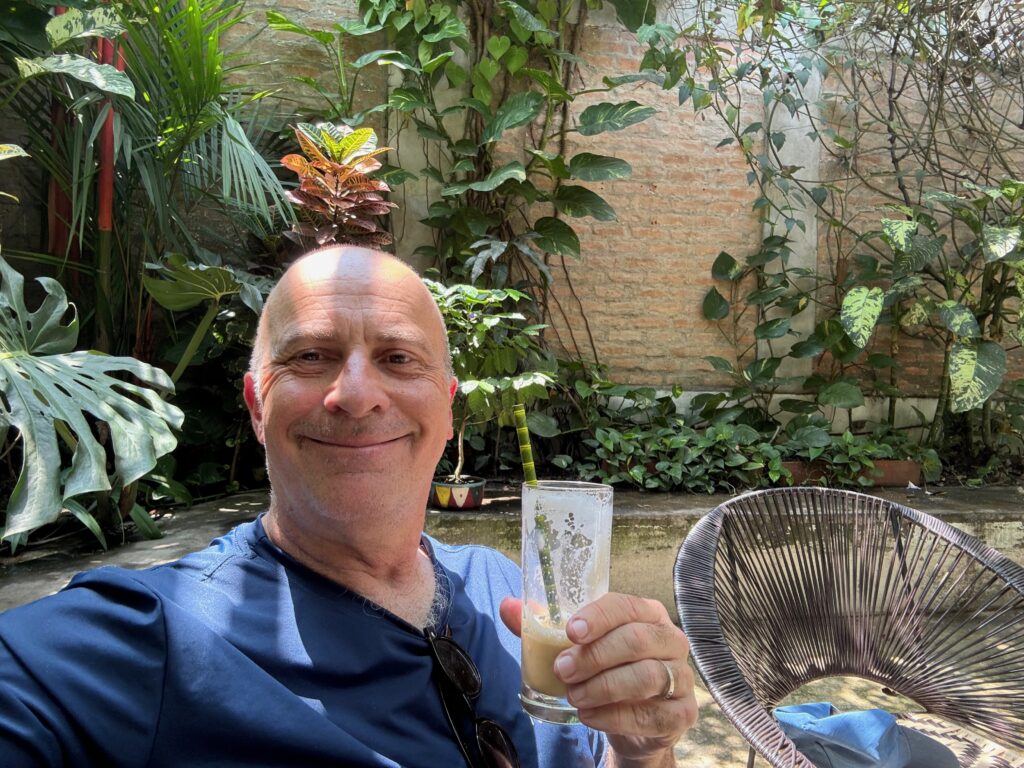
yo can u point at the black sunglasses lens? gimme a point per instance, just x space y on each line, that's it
459 668
496 745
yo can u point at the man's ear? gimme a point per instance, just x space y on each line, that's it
253 404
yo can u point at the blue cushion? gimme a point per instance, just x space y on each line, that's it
864 739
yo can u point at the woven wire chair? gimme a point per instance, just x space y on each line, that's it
781 587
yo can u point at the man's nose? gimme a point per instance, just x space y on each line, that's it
358 389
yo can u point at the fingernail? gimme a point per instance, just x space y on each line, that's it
574 693
579 628
565 665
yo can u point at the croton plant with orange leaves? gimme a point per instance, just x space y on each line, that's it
337 201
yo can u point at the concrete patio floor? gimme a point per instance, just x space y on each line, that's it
648 531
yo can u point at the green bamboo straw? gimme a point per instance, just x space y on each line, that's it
547 569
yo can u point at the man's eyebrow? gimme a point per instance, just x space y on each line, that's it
393 335
298 337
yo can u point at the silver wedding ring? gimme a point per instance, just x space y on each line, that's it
670 689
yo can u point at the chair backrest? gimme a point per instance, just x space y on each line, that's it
780 587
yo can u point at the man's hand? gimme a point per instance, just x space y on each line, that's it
617 679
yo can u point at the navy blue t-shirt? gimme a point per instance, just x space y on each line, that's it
239 655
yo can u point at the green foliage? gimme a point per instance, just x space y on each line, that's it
188 186
674 457
966 297
182 123
64 405
942 267
464 86
496 356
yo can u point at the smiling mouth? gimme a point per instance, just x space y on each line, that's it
355 444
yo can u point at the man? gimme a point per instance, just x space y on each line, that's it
331 631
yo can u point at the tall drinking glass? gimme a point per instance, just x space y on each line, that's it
567 534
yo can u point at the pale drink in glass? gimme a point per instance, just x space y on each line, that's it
566 551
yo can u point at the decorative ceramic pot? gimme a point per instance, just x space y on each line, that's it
466 494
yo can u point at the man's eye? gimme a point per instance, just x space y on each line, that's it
398 358
309 356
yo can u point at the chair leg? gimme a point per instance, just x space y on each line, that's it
750 758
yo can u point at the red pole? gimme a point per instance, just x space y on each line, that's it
105 191
105 215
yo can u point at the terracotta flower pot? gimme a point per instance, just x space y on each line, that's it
888 473
466 494
896 473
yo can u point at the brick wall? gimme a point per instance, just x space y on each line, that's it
641 279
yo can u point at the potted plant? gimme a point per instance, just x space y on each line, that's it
496 357
883 458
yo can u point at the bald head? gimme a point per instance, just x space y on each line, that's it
352 264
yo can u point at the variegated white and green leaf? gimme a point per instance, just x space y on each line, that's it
999 242
862 307
976 369
958 319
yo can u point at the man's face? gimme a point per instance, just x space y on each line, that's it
355 403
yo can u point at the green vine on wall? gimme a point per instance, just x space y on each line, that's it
487 88
914 110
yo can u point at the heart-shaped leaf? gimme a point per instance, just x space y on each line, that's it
958 319
999 242
841 394
526 20
772 329
75 24
726 267
715 306
437 61
452 27
455 73
552 86
920 251
517 57
898 232
394 58
186 285
498 46
489 68
554 163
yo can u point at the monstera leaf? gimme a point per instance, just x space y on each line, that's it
51 392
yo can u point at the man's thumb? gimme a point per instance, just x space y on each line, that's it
511 612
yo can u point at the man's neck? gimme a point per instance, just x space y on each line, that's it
395 573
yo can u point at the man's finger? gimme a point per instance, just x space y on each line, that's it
622 646
647 679
665 720
613 610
